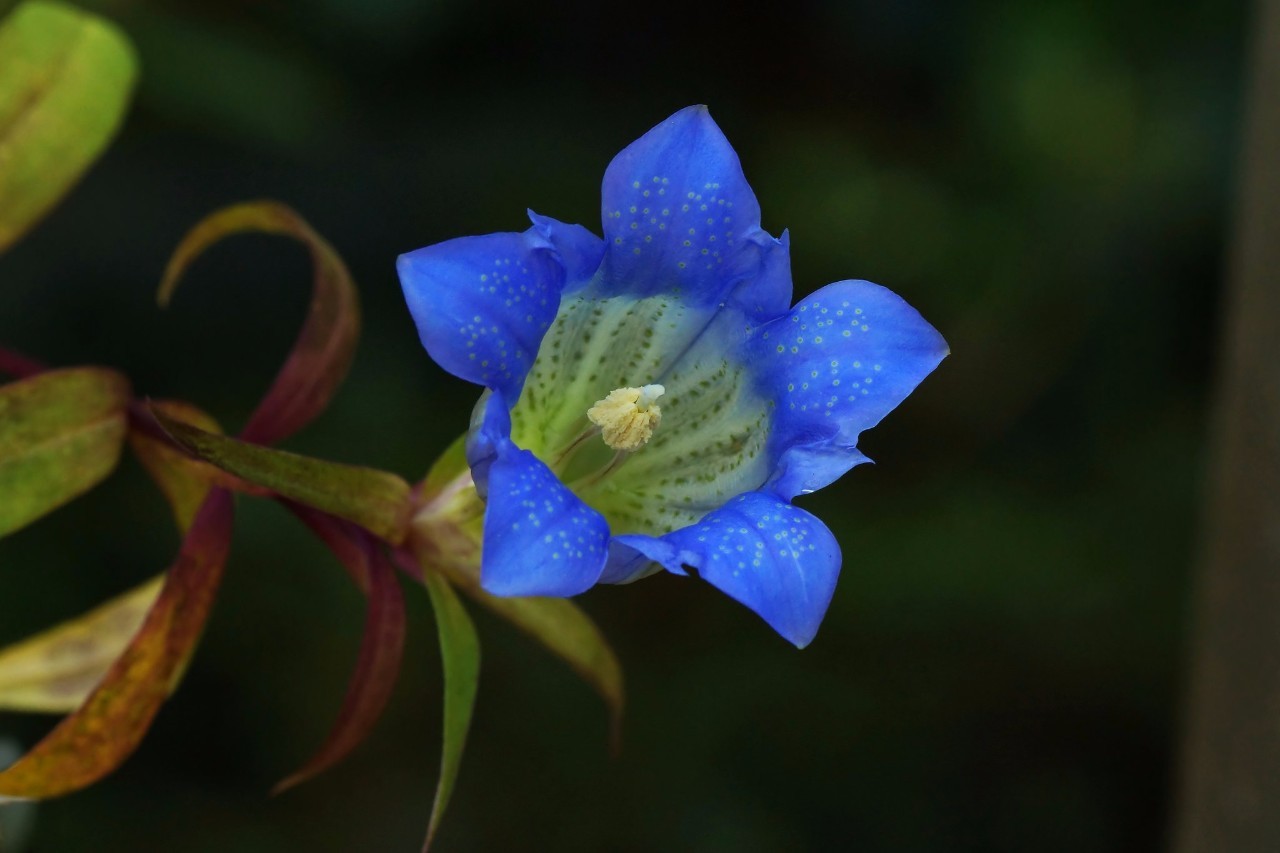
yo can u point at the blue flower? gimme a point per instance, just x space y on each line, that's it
653 398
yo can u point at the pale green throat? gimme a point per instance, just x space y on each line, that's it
648 467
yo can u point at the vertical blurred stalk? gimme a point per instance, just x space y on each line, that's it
1230 766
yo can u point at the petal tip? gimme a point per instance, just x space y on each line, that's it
800 640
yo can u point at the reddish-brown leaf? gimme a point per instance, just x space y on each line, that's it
381 649
97 738
323 351
350 550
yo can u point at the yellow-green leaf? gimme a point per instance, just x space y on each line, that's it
460 653
61 433
65 79
56 670
376 500
108 727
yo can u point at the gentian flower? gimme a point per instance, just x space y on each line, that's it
653 398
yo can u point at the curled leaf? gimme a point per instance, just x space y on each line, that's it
381 648
323 351
61 433
65 81
375 500
56 670
460 654
106 729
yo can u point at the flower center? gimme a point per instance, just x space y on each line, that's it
628 416
644 478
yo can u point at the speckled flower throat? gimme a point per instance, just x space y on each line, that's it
706 446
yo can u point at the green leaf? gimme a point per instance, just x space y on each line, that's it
460 652
56 670
61 433
375 500
108 727
321 355
65 79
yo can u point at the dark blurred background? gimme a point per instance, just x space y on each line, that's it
1001 669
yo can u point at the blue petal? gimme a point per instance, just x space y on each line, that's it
490 429
766 293
679 215
539 537
773 557
838 363
625 564
580 251
482 304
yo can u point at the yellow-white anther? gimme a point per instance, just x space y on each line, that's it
628 416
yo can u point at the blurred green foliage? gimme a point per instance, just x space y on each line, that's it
1001 666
